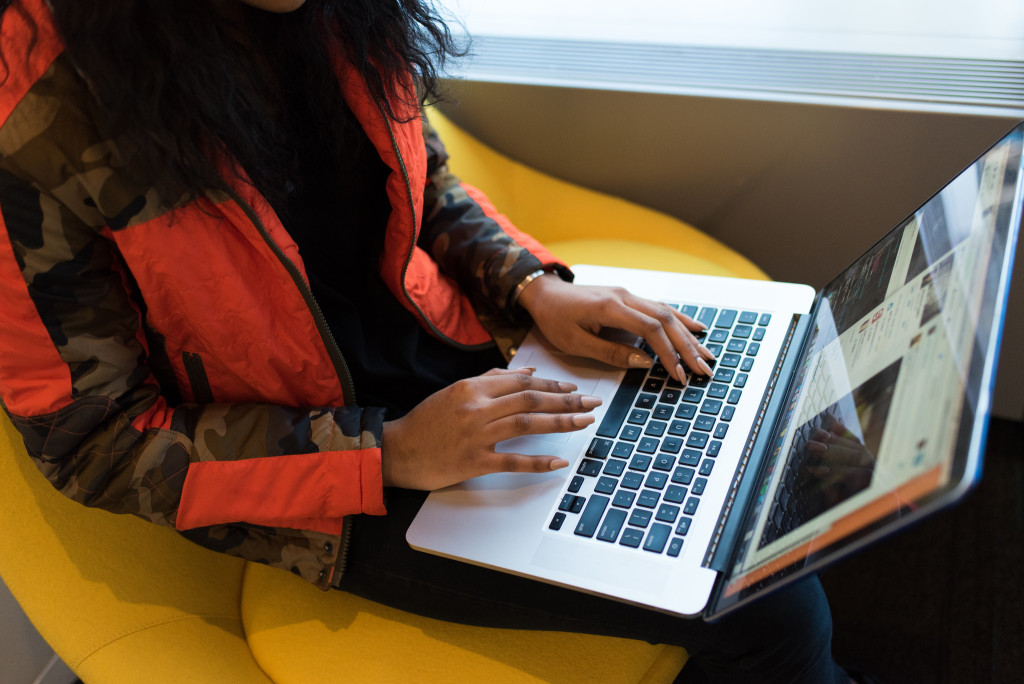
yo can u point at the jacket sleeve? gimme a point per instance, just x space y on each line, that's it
472 241
77 379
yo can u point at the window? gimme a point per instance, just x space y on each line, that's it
947 55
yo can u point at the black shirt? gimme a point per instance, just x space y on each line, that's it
336 210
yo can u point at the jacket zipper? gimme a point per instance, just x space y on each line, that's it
412 247
348 388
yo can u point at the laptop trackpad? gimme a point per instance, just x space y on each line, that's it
620 571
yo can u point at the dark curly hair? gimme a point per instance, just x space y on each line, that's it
180 83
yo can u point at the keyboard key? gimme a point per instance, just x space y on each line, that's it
657 538
575 484
690 457
681 476
715 349
611 525
675 546
697 440
691 505
656 480
640 517
679 428
599 448
631 538
728 412
662 412
718 336
699 485
688 310
730 360
741 380
683 527
721 430
670 396
638 416
645 401
711 407
606 485
747 364
686 411
724 375
647 445
630 433
748 317
614 467
706 466
693 395
759 334
753 349
577 504
648 498
624 499
640 462
566 502
589 468
653 385
621 402
622 450
718 391
655 428
672 445
726 318
742 331
667 513
675 494
736 346
556 521
658 371
734 396
632 480
592 515
765 319
664 462
714 448
707 315
698 381
705 423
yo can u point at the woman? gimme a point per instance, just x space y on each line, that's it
220 214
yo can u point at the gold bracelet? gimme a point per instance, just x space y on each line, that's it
524 282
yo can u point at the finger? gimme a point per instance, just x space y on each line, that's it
500 384
520 424
692 324
671 339
498 462
534 401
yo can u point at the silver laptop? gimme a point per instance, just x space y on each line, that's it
831 420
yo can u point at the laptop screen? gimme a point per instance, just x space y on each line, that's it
884 419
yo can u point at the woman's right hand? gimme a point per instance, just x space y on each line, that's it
451 435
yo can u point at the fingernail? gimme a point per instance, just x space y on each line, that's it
567 387
680 373
638 360
582 419
589 402
704 366
559 463
707 352
528 369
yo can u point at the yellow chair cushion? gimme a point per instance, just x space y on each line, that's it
121 600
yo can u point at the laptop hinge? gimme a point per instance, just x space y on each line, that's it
756 447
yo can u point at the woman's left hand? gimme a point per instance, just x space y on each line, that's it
571 316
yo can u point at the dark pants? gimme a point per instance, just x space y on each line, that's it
785 637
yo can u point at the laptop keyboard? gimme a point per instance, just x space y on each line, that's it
640 481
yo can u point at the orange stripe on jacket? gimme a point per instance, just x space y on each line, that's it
302 491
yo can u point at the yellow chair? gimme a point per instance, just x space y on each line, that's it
121 600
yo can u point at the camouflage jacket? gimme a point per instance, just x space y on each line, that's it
168 360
